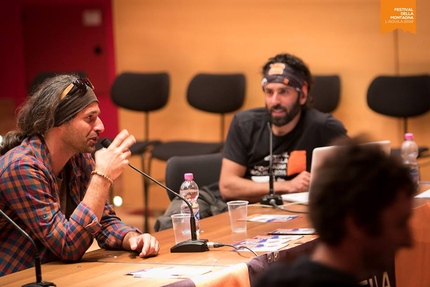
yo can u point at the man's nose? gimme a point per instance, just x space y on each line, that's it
276 99
99 127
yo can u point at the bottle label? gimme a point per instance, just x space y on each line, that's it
197 213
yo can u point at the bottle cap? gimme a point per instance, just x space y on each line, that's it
409 136
188 176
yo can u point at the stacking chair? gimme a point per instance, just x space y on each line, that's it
401 97
206 169
213 93
142 92
325 93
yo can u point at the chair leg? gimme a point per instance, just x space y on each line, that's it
145 196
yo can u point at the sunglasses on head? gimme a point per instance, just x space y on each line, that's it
78 85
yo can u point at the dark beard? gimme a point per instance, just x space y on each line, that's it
289 116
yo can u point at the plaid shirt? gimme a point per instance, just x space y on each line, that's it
29 195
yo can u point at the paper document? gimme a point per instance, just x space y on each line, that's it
266 242
292 231
425 194
299 197
173 272
270 217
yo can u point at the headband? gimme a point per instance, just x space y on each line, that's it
284 74
70 105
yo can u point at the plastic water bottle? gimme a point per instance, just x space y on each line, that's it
190 190
409 153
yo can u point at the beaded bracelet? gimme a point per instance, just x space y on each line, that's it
102 175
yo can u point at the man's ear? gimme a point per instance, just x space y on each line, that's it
304 94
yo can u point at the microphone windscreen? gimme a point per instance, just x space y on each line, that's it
106 143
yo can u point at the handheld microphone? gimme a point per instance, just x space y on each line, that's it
37 264
272 198
192 245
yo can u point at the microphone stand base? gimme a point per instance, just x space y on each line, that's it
271 199
190 246
39 284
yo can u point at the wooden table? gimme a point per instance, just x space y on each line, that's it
109 267
215 229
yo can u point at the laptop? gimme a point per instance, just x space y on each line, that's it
318 156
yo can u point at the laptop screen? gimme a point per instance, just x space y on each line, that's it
318 156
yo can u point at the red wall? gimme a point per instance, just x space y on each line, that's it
12 71
16 73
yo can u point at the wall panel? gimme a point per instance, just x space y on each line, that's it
188 37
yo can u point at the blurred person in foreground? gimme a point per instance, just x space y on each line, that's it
360 208
51 186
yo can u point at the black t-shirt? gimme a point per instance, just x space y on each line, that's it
304 273
248 141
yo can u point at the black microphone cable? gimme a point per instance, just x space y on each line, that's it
236 248
273 204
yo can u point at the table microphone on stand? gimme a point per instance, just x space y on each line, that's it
192 245
272 198
37 264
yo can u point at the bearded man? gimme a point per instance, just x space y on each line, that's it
51 185
297 129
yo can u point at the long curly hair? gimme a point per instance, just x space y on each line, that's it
36 115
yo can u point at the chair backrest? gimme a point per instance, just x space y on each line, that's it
325 92
399 96
142 92
217 93
206 169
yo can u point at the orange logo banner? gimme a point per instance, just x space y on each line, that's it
398 14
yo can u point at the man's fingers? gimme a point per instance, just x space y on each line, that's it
122 142
127 143
119 139
150 245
